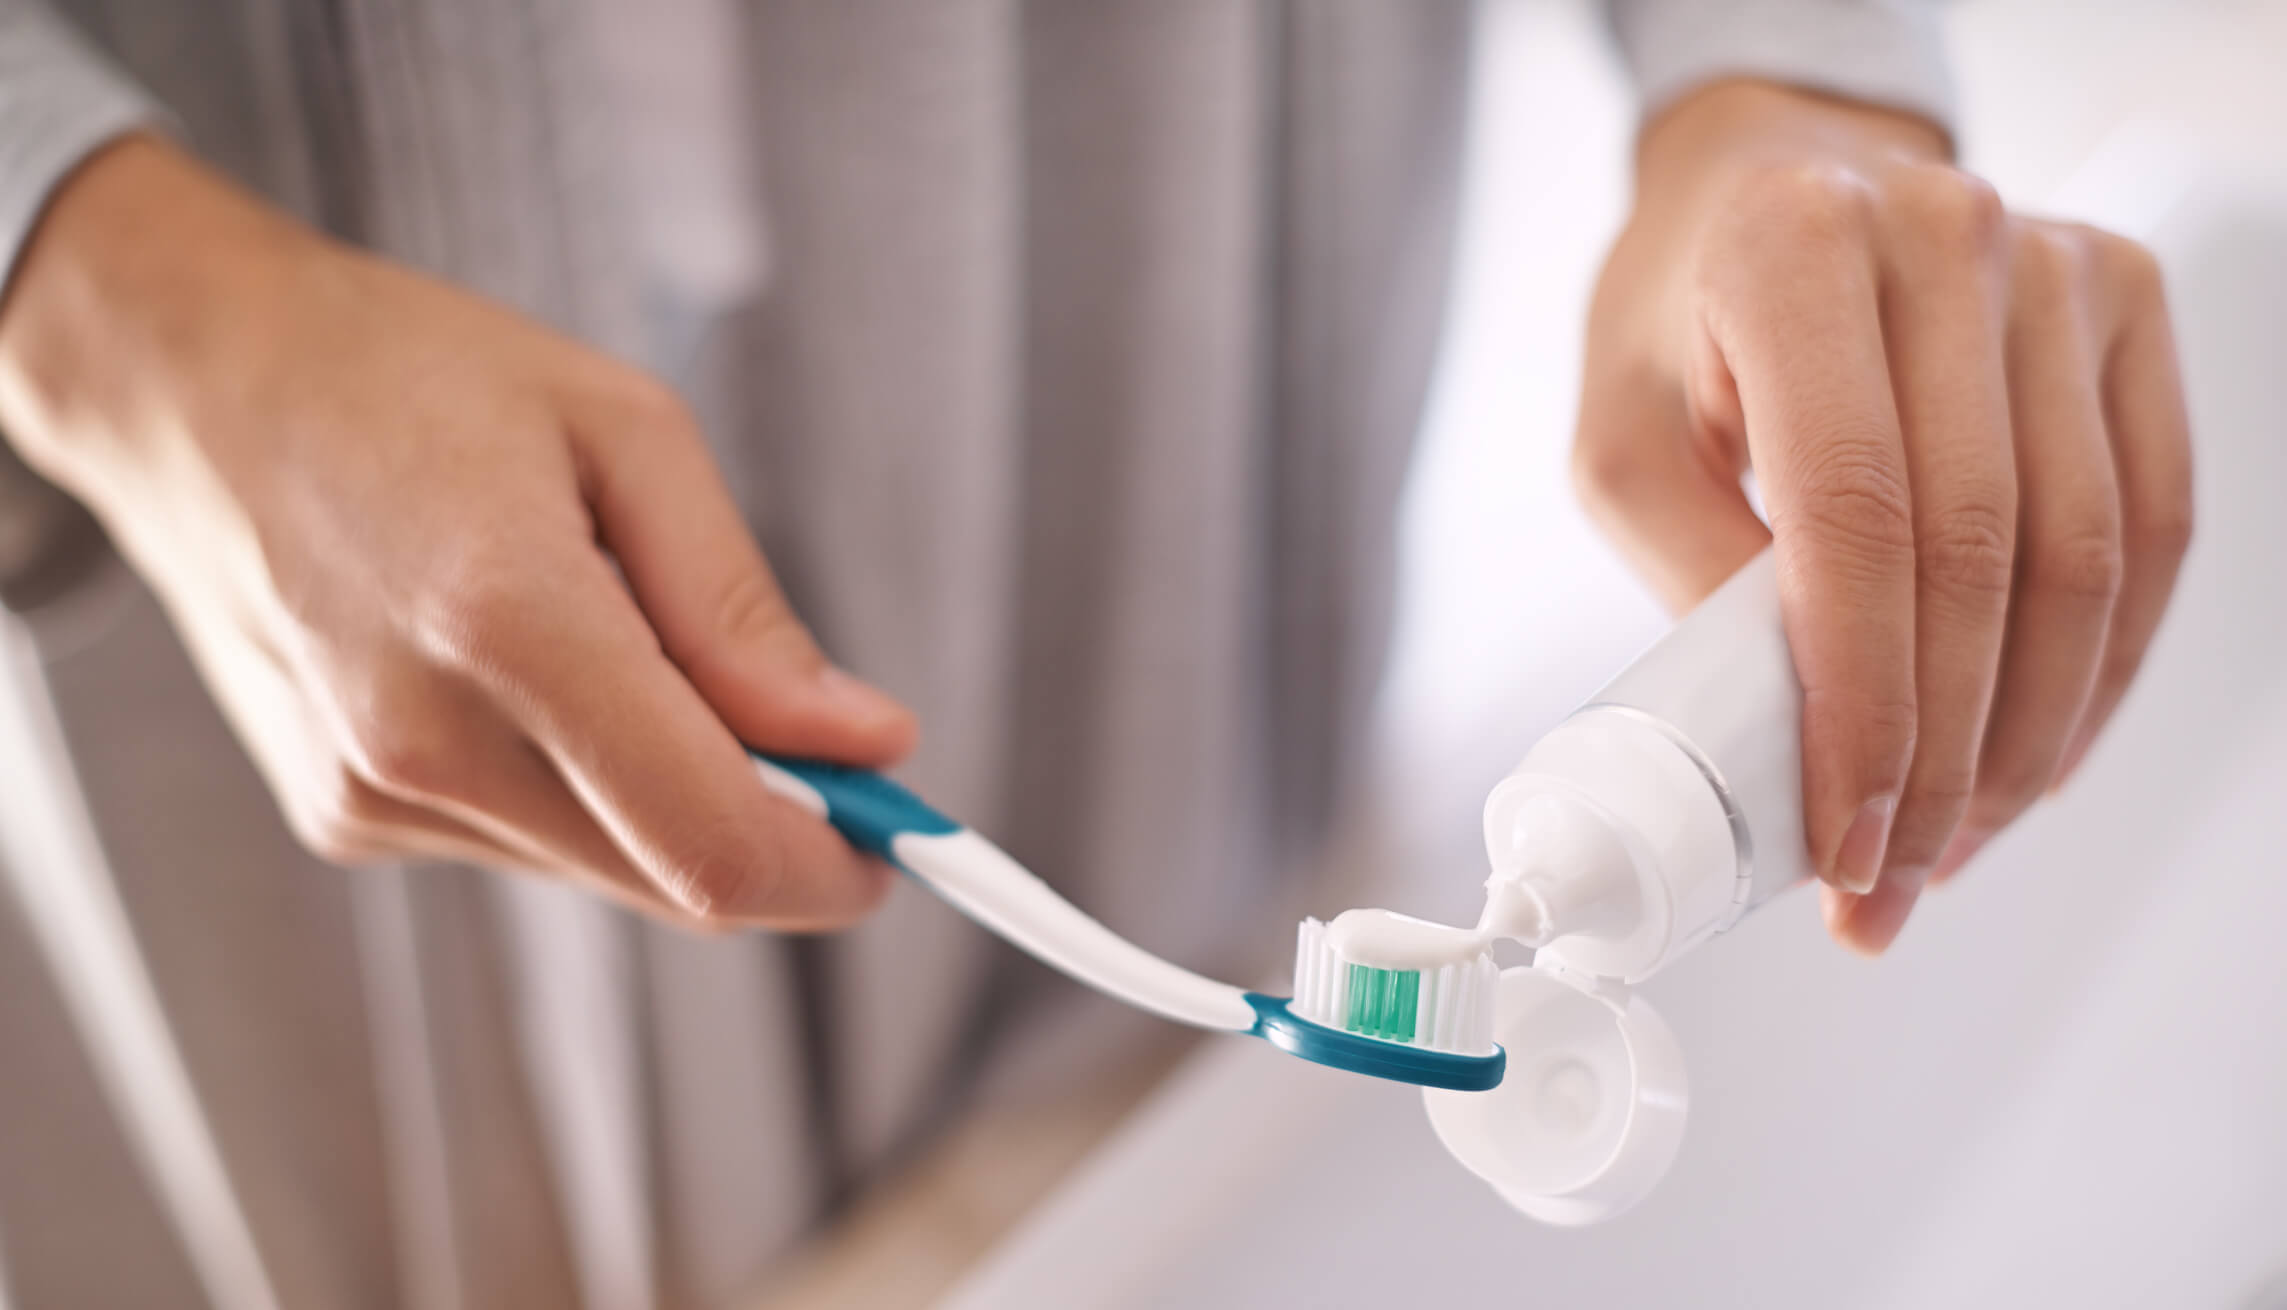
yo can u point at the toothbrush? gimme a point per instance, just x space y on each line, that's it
1375 993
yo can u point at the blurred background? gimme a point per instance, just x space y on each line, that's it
2068 1083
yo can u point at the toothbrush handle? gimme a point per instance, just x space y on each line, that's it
868 809
980 880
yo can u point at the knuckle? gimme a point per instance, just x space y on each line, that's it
722 870
1813 203
476 610
343 798
1943 788
2163 530
2048 261
751 610
400 754
2006 788
1971 550
1890 724
2129 266
1933 806
1881 724
1943 796
1855 501
1957 210
2085 564
650 403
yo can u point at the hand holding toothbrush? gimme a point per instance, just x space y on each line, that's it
466 589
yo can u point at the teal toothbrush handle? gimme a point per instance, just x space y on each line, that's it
869 810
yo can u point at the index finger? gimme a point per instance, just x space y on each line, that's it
1796 317
579 671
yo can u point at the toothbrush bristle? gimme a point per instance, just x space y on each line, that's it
1446 1009
1382 1002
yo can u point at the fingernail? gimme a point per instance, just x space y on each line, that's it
858 701
1842 910
1966 843
1858 860
1869 925
1874 928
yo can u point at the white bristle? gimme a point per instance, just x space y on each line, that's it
1453 1004
1465 1022
1443 1031
1425 1007
1486 986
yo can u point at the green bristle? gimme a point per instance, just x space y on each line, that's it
1383 1002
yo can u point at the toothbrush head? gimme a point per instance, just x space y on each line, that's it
1382 994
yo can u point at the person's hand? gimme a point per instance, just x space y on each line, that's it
1968 432
465 589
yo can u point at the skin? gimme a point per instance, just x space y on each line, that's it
470 591
466 590
1967 428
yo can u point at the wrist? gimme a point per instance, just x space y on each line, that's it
127 284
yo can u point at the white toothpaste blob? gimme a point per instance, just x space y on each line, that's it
1380 939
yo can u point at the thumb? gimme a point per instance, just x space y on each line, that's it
1671 503
662 510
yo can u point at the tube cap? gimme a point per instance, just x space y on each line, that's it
1591 1112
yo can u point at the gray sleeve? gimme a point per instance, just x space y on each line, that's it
1886 52
59 101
